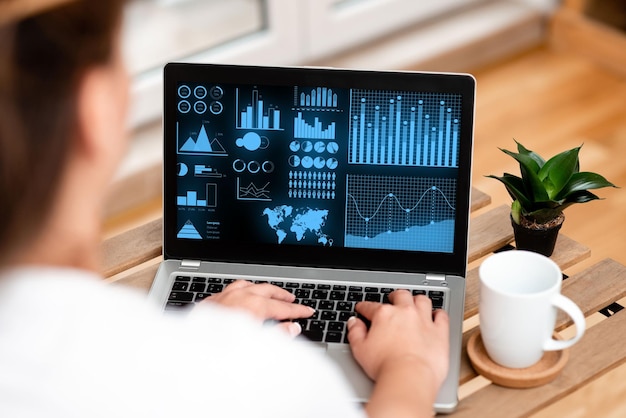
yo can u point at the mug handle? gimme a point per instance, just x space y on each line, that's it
574 312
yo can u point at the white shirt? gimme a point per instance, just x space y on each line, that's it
73 346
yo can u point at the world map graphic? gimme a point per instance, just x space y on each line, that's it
302 222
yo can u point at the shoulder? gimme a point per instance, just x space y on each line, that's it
107 345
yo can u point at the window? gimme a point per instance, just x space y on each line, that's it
233 31
335 25
266 32
158 31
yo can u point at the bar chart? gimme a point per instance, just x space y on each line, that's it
256 115
302 129
404 128
317 97
190 198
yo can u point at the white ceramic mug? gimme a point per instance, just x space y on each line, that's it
519 294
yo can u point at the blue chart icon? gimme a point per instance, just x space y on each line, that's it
252 141
201 145
190 198
400 213
318 97
410 129
303 129
256 115
253 192
188 231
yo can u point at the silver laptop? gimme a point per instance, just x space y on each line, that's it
337 185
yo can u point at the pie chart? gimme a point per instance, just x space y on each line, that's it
332 147
319 162
294 146
294 161
182 169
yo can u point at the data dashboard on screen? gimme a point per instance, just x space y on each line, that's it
317 166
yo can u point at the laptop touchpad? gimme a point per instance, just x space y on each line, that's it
361 384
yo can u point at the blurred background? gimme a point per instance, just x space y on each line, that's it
551 74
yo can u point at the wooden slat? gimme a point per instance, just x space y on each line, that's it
489 231
479 199
591 289
132 248
601 350
141 279
594 289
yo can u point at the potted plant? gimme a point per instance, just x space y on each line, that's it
543 191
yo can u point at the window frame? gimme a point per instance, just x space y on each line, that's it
276 44
342 20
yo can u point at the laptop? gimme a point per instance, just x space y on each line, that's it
337 185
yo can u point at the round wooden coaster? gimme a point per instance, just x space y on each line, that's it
540 373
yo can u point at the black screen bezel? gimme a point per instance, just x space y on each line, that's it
329 257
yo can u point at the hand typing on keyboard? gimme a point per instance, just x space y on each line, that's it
264 301
406 346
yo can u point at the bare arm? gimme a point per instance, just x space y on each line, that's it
405 352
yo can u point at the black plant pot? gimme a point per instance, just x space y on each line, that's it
541 241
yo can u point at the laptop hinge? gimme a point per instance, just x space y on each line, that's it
435 277
190 264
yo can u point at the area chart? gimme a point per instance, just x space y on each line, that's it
400 213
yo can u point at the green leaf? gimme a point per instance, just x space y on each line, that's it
557 171
516 211
582 196
524 160
533 186
515 186
583 181
533 155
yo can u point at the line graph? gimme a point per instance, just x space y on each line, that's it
253 192
402 213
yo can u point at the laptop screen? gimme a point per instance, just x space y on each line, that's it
317 167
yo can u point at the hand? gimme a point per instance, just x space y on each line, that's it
264 301
403 331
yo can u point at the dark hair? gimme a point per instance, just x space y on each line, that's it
42 60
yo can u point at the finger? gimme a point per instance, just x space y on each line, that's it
441 318
401 297
277 309
238 284
356 331
367 309
423 304
273 292
292 328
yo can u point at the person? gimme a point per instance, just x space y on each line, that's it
74 346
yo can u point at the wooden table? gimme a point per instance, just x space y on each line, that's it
132 258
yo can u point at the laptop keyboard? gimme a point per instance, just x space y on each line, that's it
333 303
